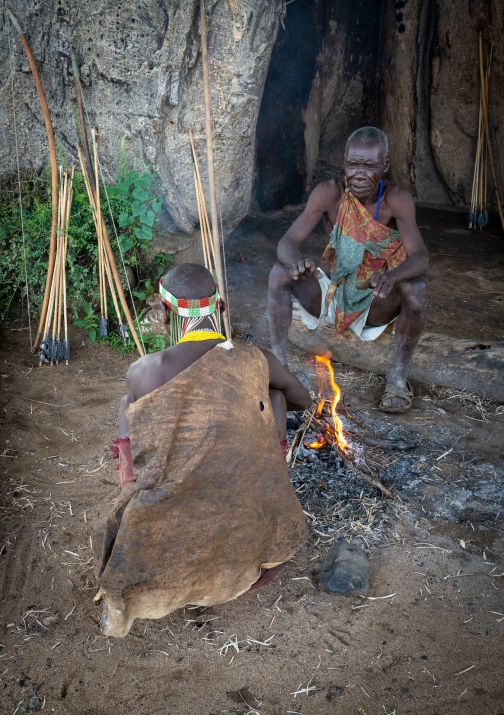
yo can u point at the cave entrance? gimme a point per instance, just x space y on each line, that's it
321 85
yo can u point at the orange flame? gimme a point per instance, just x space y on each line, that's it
338 424
317 445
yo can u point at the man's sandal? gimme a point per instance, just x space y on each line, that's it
405 393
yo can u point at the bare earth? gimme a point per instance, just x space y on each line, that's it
432 641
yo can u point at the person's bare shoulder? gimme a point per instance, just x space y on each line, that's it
327 192
399 200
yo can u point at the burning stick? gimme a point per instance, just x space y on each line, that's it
370 480
332 434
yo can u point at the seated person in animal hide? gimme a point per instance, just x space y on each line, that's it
206 511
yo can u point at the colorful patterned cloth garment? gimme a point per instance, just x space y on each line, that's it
358 247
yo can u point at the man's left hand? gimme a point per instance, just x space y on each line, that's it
381 283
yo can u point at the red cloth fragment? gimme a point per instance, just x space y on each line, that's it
121 450
266 576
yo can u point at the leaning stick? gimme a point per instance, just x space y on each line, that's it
66 345
202 227
111 286
204 224
110 256
206 233
80 105
58 314
210 159
101 253
95 218
117 278
487 128
54 172
53 313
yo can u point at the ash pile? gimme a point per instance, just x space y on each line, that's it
338 500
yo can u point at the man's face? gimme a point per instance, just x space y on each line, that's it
364 168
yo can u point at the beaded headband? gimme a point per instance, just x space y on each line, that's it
190 308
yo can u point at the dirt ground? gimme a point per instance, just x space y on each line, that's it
428 639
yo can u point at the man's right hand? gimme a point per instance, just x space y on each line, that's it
303 267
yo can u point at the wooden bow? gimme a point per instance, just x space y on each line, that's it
54 172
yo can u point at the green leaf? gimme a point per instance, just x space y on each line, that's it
144 233
125 219
111 191
156 206
127 243
92 334
139 195
80 323
123 187
140 294
143 182
137 209
149 218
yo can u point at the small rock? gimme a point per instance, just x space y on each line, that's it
49 620
345 569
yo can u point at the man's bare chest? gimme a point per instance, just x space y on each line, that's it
385 216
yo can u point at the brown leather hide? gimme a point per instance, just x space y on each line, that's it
212 502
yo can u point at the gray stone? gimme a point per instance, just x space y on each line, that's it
345 569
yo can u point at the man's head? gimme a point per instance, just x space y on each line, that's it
189 291
366 161
189 281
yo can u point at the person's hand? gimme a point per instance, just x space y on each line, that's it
381 283
303 267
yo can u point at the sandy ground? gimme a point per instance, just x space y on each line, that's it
429 637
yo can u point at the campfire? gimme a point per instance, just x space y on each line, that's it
328 418
323 431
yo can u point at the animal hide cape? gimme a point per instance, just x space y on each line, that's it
212 502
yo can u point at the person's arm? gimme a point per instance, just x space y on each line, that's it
123 420
121 448
296 394
416 263
321 199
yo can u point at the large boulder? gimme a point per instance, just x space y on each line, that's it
430 93
141 73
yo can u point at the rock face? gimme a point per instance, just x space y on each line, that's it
140 67
409 67
431 93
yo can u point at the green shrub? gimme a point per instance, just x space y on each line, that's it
135 209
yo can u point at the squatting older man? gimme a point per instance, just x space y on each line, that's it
372 271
